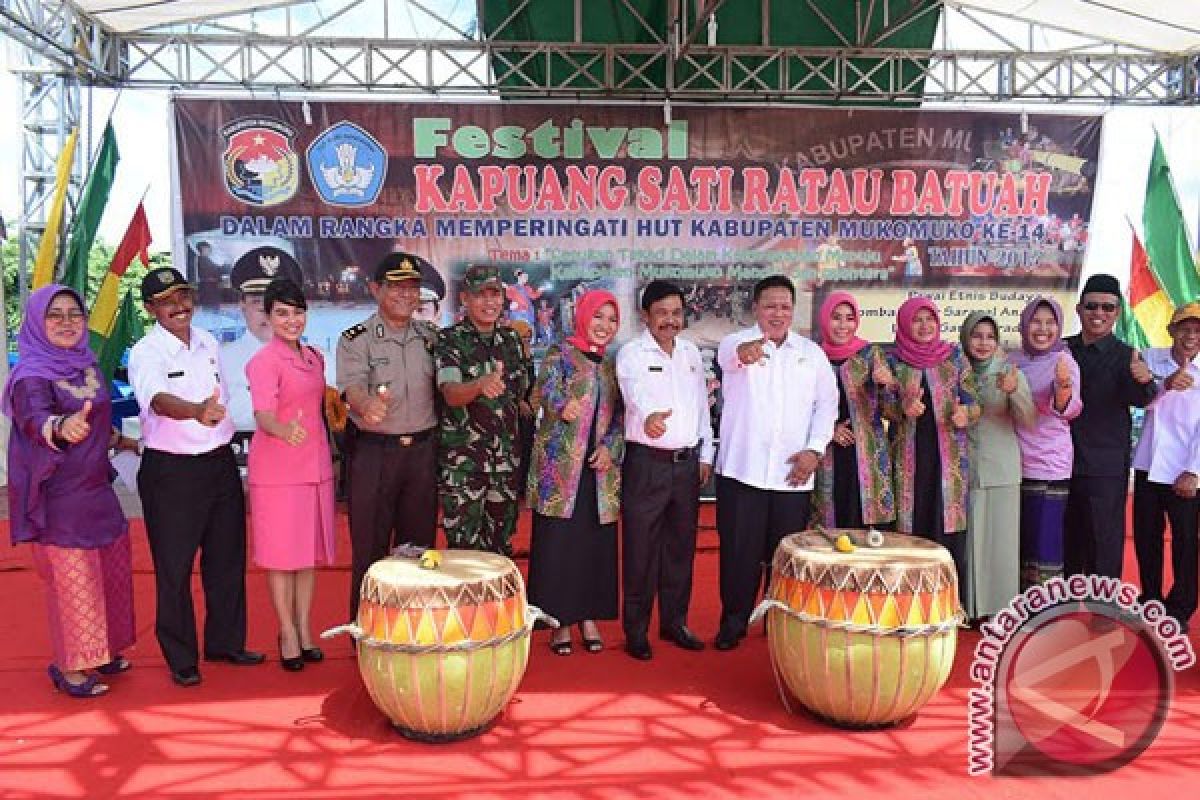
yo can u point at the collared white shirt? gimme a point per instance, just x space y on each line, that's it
160 363
653 381
772 410
1170 440
234 357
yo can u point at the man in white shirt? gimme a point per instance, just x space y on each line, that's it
1166 464
780 405
668 457
189 485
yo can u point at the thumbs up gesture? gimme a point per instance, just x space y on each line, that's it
960 417
911 402
492 384
1006 381
294 433
753 352
211 412
1062 372
570 411
76 427
1179 380
1138 369
656 423
881 374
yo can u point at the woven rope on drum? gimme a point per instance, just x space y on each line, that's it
532 615
902 631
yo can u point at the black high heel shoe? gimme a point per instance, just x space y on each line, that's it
290 664
312 654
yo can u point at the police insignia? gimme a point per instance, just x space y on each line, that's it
261 166
354 331
347 165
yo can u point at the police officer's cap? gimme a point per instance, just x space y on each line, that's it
258 267
401 267
161 282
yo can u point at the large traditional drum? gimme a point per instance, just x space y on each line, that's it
442 650
864 638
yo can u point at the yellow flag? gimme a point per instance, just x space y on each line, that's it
43 269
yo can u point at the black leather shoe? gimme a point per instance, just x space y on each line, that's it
242 658
727 639
639 649
188 676
312 654
682 637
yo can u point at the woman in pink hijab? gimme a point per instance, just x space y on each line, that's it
936 399
854 479
574 484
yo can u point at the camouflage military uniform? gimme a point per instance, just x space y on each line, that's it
479 448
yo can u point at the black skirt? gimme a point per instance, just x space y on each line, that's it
573 562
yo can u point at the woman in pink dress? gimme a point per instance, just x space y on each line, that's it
290 470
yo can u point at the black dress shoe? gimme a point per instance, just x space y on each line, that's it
242 658
682 637
312 654
639 649
188 676
727 639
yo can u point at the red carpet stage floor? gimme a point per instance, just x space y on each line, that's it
589 726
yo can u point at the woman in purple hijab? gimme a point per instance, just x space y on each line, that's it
60 494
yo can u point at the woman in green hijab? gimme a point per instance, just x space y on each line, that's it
993 524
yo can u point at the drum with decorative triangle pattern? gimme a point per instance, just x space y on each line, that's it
865 638
442 651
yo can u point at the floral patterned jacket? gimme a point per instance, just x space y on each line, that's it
561 448
951 380
866 400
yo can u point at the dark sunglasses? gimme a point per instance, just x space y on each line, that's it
1108 308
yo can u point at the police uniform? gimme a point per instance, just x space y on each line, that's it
251 275
479 451
191 495
391 466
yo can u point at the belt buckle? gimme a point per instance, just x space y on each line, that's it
405 440
679 456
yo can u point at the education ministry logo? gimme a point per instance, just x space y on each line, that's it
1075 677
347 165
261 166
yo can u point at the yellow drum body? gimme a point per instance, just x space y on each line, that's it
862 639
442 651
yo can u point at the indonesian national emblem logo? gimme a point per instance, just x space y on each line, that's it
261 166
347 165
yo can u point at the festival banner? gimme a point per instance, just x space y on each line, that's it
978 210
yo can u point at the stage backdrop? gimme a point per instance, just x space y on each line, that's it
978 210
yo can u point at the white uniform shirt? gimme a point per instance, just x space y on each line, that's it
234 357
161 362
774 409
1170 441
653 381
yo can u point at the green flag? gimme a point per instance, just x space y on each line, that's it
1166 235
87 216
127 329
1129 330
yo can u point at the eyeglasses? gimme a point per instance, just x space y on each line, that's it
1107 308
59 317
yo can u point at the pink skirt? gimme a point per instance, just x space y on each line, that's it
89 599
292 526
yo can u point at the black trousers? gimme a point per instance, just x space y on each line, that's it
392 499
1094 531
1153 505
660 501
750 524
190 504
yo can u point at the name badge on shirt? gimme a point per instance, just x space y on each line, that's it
655 369
178 374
